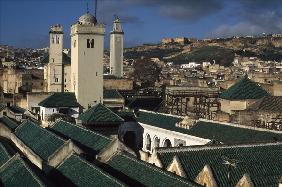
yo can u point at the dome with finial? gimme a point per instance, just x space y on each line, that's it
87 19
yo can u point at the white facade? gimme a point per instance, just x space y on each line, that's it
46 112
158 137
87 48
54 69
116 50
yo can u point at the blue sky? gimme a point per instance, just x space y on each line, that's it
25 23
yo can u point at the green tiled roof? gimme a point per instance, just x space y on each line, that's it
16 173
267 104
66 59
159 120
244 89
17 109
2 106
11 124
263 162
41 141
230 134
112 94
4 155
209 130
99 114
59 99
82 173
151 104
90 139
144 173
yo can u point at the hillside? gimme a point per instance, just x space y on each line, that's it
221 50
221 56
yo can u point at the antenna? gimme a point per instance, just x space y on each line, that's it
95 9
87 8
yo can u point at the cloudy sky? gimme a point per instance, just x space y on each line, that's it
25 23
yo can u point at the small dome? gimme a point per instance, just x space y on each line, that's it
87 19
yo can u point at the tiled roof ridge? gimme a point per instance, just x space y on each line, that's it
4 149
98 169
155 168
229 93
214 147
116 92
164 114
78 126
18 157
113 113
261 103
39 127
59 148
239 126
64 160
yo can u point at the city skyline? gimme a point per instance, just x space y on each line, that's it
26 24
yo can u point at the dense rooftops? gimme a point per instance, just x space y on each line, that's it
2 106
112 94
244 89
16 173
99 114
11 124
225 133
81 173
60 99
81 135
142 173
267 104
41 141
17 109
261 161
4 155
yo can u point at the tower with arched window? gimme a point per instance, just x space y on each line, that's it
87 48
116 49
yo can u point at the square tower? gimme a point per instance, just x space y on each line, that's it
116 50
87 49
54 74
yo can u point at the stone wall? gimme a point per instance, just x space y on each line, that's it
60 154
118 84
34 158
229 106
5 131
34 98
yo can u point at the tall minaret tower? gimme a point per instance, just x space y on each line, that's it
87 49
116 49
54 73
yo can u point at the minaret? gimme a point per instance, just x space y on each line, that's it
87 49
55 81
116 49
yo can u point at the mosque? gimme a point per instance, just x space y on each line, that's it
82 74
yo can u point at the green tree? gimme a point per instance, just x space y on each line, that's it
147 72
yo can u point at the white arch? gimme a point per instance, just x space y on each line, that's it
148 142
156 141
167 143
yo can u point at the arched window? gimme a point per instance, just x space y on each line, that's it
92 43
57 39
74 43
167 143
88 43
53 40
156 142
148 142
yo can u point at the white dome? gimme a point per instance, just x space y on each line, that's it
87 19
